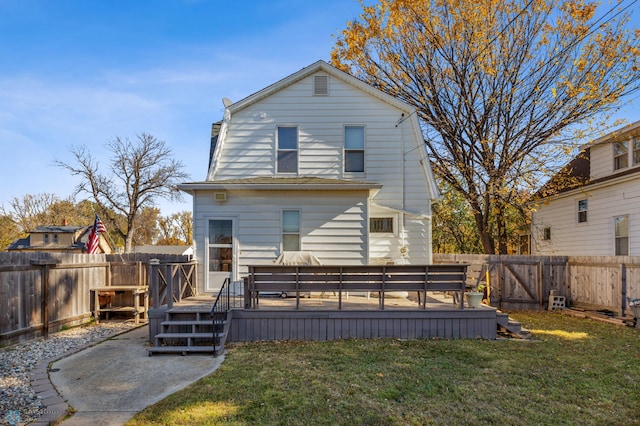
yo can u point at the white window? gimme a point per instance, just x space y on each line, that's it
290 230
582 211
287 150
620 155
636 151
354 149
381 225
621 225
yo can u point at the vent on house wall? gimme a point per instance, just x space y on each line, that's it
220 197
320 85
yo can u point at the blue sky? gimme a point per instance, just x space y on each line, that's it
81 72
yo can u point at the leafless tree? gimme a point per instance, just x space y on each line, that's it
139 173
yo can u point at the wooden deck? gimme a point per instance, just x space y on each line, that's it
318 318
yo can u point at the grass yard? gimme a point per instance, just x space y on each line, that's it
575 372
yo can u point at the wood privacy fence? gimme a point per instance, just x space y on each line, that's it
42 292
525 282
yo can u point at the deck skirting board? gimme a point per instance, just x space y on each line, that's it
255 325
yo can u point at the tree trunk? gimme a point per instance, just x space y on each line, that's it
484 233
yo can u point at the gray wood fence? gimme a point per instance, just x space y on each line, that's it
525 282
42 292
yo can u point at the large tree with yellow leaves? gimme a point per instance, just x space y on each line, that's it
499 85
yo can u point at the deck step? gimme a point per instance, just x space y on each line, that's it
187 322
511 327
184 350
184 335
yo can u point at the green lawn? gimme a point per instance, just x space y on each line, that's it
576 371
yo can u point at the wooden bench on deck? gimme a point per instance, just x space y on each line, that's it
354 278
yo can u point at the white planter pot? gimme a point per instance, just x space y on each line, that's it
474 299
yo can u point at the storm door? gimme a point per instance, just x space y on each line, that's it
220 253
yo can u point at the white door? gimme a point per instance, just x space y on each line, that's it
220 253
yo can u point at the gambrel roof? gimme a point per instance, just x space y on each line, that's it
219 130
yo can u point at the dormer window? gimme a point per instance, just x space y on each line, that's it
620 155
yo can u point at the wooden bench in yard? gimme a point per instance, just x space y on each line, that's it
353 278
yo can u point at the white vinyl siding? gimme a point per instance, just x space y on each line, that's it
333 224
249 149
595 237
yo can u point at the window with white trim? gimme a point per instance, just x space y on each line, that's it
636 151
621 231
620 155
582 211
46 238
354 149
287 156
291 230
55 238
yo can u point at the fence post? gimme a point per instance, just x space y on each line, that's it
169 279
45 265
155 294
623 287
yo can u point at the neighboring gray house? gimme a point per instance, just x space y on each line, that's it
598 212
318 162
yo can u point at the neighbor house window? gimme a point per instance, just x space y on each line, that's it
621 225
620 155
291 230
287 150
636 151
582 211
55 238
381 225
354 149
46 238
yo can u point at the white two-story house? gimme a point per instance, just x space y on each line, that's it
319 163
597 213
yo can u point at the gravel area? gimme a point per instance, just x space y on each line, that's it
17 398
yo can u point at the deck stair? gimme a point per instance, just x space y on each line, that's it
190 329
511 328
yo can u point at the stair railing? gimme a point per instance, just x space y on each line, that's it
218 313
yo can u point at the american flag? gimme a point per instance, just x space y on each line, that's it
94 236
